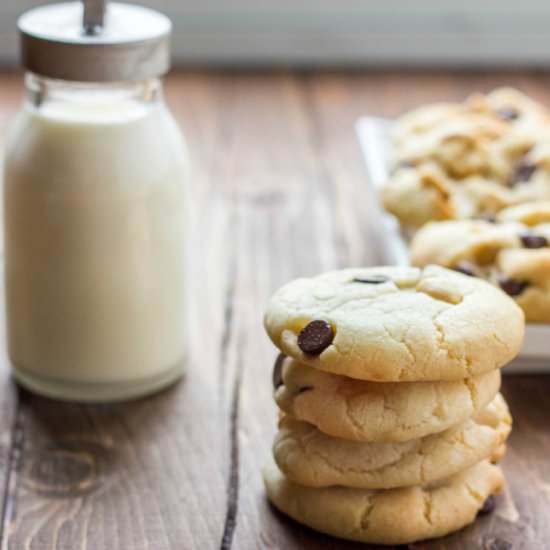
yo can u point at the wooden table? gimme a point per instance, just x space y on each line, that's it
279 191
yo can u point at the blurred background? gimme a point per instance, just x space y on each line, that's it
489 33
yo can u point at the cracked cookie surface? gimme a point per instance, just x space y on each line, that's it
394 516
308 457
360 410
417 325
512 253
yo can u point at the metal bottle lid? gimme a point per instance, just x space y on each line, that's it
91 42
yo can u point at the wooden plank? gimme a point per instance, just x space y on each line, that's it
149 474
11 432
329 189
308 229
279 193
275 250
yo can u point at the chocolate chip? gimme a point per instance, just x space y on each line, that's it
304 389
499 544
512 287
523 173
315 337
488 505
467 268
375 279
533 241
278 371
487 217
507 113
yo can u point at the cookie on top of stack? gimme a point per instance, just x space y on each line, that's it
512 251
388 385
465 160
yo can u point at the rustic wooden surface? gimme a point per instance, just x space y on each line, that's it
279 192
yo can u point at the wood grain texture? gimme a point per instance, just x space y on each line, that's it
278 192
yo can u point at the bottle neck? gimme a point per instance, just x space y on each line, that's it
41 91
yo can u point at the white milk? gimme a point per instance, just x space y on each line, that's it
95 226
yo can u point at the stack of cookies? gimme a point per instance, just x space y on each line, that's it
388 385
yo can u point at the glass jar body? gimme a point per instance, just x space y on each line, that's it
95 181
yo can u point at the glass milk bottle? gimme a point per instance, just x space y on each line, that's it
95 207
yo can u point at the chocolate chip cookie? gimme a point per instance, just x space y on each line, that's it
408 324
512 252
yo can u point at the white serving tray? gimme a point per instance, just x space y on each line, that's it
374 141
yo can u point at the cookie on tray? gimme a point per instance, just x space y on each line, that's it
455 161
311 458
420 194
359 410
394 516
485 135
513 253
530 214
459 144
395 324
